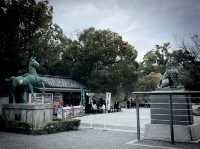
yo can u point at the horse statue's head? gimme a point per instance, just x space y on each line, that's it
33 63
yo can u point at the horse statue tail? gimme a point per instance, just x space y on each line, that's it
11 89
10 79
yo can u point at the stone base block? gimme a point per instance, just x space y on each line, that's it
35 114
162 132
195 131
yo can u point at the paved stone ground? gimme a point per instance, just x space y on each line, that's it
124 120
121 135
81 139
84 139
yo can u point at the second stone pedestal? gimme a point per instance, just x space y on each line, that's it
35 114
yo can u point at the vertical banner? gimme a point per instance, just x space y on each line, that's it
60 113
108 101
82 102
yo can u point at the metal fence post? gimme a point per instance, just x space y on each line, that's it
190 118
171 119
138 119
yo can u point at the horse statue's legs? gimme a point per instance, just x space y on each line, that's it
11 96
31 89
12 90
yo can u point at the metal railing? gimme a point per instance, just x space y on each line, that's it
171 94
74 111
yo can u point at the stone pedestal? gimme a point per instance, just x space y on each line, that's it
182 133
159 129
35 114
160 108
162 132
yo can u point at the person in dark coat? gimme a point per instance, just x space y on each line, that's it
128 104
117 107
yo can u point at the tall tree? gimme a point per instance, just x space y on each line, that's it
48 46
154 63
156 59
21 20
188 60
102 60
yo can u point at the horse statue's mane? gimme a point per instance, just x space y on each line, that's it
26 82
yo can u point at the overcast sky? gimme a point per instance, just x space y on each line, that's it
143 23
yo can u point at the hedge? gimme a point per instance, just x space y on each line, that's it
59 126
51 127
15 126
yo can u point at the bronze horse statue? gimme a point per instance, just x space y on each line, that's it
27 81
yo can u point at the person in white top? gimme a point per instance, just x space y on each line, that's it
103 108
94 107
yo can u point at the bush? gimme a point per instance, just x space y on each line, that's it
1 123
16 126
58 126
57 119
51 127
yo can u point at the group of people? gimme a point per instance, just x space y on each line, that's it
117 107
131 104
100 109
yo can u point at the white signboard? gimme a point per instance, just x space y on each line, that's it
108 100
59 113
40 98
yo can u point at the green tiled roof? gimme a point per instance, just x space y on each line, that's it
60 82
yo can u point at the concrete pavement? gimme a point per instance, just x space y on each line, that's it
108 131
124 120
85 139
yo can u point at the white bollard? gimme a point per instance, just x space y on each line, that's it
90 123
104 124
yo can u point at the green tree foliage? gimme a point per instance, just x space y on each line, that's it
149 63
153 64
102 60
49 44
149 82
188 60
21 23
163 56
156 60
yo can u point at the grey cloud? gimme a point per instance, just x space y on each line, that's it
143 23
